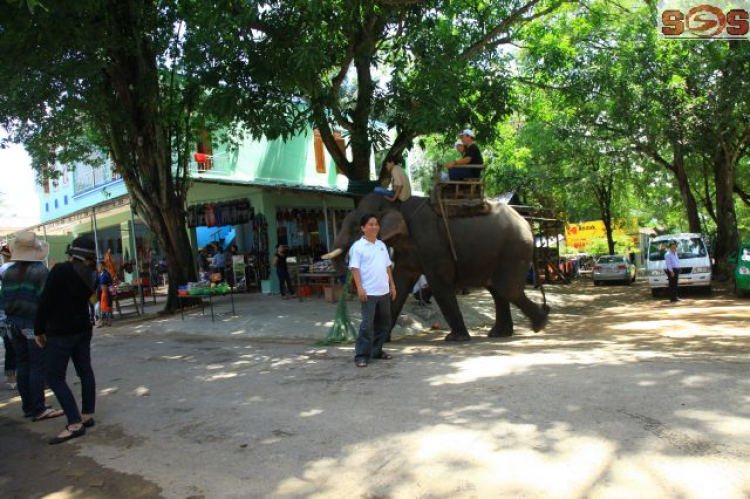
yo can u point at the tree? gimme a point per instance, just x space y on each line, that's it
415 66
677 104
107 80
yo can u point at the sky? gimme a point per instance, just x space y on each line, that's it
19 201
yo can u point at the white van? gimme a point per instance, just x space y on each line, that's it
695 263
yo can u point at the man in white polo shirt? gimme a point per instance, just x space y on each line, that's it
371 270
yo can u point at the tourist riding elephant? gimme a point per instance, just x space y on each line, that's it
493 250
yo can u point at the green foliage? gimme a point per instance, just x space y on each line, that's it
599 246
681 107
420 67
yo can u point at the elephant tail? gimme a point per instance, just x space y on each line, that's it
545 307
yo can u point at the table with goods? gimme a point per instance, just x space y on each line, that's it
318 272
124 292
204 289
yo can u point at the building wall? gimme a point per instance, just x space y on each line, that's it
290 162
67 196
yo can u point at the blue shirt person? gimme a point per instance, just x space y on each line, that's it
672 269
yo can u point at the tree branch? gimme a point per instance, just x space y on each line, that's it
514 18
742 194
400 3
326 134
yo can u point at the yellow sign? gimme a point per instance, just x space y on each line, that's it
579 235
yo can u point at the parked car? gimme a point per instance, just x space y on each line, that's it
695 262
742 271
613 268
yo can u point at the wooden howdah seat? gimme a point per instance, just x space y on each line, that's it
460 198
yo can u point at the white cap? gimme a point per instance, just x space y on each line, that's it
467 132
458 143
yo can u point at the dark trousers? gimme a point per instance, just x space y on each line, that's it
284 280
375 326
60 350
30 372
10 356
673 284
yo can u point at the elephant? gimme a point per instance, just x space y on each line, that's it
493 250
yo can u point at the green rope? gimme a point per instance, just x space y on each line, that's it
342 330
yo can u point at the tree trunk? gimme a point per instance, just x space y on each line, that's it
688 199
139 139
361 152
169 228
727 238
604 198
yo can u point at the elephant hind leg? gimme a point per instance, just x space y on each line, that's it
503 327
537 314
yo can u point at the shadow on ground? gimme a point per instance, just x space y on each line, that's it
621 395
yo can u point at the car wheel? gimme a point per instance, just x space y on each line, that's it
739 292
628 281
597 283
655 293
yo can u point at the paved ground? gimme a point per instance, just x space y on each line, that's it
621 396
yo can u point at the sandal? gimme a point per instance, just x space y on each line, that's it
48 413
72 434
31 414
383 356
361 363
89 423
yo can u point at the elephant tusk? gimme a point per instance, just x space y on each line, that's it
333 254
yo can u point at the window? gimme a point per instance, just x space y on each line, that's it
203 152
611 259
686 248
342 145
66 200
46 207
56 204
320 157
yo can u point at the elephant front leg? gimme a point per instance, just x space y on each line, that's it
445 296
503 327
404 282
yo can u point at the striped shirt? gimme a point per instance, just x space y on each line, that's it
19 296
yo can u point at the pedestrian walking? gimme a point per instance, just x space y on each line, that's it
371 269
10 355
19 297
104 294
282 271
673 270
64 331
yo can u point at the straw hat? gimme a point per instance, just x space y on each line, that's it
27 248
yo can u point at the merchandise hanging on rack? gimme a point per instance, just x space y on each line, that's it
259 254
219 213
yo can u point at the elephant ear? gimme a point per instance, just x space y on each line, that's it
393 225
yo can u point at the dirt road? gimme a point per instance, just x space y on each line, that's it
621 395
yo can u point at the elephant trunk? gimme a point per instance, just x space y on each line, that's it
333 254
